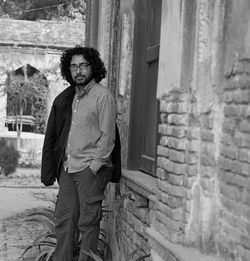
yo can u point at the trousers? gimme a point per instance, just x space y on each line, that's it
79 210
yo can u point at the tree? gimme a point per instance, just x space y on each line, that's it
20 90
46 10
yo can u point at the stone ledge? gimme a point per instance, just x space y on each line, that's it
165 248
140 182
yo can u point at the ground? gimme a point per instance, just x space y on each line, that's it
21 193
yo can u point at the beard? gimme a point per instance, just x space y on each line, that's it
81 80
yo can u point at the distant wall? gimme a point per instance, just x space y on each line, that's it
41 34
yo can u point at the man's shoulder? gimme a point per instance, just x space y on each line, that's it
101 89
69 91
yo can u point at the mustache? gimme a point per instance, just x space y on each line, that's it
80 76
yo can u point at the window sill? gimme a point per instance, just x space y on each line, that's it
140 182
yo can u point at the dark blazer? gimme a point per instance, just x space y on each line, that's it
56 135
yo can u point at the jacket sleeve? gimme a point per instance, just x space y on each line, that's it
48 166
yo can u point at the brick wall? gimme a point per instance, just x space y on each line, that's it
203 170
133 218
131 214
172 163
234 166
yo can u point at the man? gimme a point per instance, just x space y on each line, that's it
82 151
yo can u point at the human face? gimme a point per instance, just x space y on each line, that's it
80 70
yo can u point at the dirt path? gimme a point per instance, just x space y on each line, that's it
16 200
21 193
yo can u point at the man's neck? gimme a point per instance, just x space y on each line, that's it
80 87
84 88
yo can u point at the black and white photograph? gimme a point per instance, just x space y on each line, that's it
125 130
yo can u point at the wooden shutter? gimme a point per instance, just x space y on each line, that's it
144 110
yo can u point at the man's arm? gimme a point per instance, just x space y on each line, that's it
107 118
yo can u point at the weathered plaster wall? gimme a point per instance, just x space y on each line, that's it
104 41
237 15
234 167
203 159
125 70
234 158
169 73
191 120
127 216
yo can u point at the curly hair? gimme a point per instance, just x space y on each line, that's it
90 54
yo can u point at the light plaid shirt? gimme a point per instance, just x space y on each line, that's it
92 134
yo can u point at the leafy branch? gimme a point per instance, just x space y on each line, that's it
22 90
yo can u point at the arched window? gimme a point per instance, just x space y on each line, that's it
33 112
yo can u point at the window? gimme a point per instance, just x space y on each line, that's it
143 135
32 115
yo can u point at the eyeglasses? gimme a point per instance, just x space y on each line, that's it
81 66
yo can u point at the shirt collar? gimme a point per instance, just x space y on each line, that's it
86 89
